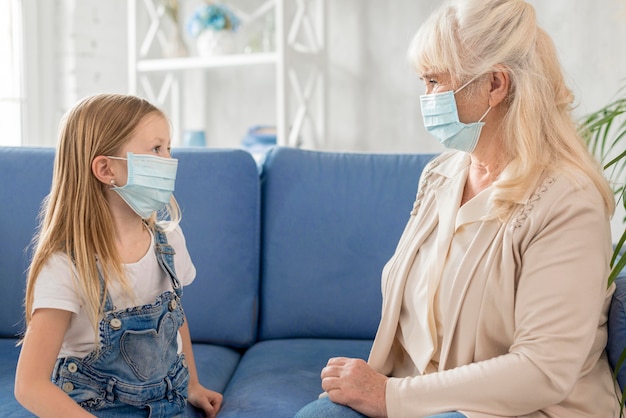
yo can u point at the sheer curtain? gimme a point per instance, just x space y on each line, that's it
11 72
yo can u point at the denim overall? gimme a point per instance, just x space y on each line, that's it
136 371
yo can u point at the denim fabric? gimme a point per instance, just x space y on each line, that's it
136 369
325 408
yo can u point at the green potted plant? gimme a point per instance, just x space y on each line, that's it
605 133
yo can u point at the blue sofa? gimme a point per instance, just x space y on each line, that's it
288 264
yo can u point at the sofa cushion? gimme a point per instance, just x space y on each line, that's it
330 223
218 192
222 303
9 353
617 327
26 175
215 367
276 378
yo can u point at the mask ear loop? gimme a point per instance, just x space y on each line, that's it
466 84
113 185
485 114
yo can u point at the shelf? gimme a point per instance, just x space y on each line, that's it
298 60
194 63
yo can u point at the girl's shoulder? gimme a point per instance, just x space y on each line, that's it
173 233
58 263
56 285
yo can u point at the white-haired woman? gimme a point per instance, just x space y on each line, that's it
495 301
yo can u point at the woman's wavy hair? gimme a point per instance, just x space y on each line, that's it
474 37
75 218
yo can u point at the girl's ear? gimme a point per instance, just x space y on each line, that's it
101 169
500 84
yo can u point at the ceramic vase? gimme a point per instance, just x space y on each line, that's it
211 43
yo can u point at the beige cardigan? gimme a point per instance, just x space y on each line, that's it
527 335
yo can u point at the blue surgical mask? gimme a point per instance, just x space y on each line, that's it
441 120
150 182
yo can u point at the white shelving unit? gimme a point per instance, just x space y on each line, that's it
299 59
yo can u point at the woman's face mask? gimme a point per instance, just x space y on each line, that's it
441 120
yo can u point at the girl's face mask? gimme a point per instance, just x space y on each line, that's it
150 182
441 120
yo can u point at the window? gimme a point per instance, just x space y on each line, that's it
11 71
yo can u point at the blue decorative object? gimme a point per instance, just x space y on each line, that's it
194 139
212 16
258 141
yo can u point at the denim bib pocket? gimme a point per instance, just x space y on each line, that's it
149 353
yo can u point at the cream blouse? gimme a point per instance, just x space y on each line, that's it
431 279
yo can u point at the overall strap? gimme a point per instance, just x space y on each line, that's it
108 303
165 256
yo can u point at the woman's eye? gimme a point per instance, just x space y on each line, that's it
157 149
432 81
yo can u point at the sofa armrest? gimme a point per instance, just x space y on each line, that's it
617 328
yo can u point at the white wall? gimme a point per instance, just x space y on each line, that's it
74 48
373 102
372 96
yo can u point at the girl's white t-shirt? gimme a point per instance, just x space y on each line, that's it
56 288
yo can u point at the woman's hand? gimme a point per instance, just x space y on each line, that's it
354 383
204 399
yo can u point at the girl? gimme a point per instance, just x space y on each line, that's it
103 310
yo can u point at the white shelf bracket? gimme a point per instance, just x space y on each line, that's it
303 53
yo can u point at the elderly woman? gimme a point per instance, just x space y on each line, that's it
495 301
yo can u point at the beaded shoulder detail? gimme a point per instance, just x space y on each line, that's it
528 207
423 185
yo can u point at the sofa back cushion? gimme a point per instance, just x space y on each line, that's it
330 223
218 192
25 178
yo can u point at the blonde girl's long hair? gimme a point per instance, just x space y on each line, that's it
75 218
475 37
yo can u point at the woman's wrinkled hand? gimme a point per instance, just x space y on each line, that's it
354 383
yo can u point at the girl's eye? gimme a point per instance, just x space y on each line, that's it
157 149
432 81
